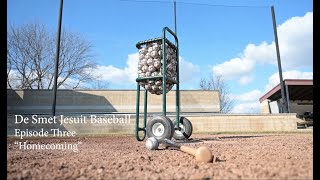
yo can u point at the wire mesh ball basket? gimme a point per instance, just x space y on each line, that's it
151 65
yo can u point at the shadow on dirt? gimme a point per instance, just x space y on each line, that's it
200 140
191 140
238 137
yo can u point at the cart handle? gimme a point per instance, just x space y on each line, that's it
172 33
164 75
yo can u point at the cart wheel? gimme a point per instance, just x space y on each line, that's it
186 129
160 127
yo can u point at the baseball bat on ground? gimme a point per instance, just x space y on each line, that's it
202 154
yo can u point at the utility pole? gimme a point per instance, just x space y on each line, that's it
283 96
175 17
55 87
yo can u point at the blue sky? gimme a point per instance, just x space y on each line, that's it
216 37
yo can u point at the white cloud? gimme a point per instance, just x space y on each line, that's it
253 95
274 78
188 72
247 102
119 76
263 53
127 75
296 42
245 80
249 107
233 68
296 46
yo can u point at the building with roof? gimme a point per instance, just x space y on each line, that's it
298 96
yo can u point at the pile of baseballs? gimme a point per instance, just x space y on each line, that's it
150 64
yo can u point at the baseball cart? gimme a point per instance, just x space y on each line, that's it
158 72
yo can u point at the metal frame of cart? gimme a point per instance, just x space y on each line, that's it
164 79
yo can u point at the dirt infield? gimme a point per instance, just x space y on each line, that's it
245 156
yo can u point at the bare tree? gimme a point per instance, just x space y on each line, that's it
218 83
97 83
31 57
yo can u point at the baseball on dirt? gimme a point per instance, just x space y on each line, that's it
152 143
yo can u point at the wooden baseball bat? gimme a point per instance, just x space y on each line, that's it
202 154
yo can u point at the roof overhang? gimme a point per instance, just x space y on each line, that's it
299 89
